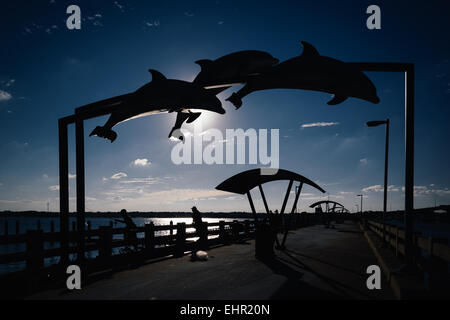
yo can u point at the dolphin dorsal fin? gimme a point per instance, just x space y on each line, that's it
309 50
156 75
204 63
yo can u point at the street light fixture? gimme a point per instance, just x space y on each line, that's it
386 155
361 208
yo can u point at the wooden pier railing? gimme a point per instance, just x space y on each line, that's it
431 255
395 237
113 248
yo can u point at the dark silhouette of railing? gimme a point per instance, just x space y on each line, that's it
395 237
431 255
153 242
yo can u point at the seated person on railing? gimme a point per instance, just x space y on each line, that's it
130 234
198 224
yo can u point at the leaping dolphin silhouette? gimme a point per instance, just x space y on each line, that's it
311 71
158 96
234 68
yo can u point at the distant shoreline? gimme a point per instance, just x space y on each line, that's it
187 214
43 214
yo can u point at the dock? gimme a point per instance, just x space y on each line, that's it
318 263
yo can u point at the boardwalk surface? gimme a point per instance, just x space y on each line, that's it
318 263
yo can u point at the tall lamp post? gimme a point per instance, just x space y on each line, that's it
360 195
386 155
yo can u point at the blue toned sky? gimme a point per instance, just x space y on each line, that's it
47 70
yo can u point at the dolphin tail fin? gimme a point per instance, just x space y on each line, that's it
181 118
180 135
193 116
235 100
204 63
337 98
104 133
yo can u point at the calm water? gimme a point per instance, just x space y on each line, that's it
31 223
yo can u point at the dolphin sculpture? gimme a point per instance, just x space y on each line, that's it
231 69
311 71
158 96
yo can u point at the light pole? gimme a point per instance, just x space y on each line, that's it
361 208
386 156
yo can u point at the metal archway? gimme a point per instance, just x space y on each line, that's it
243 182
239 77
336 205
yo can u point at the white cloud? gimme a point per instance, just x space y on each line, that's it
72 176
104 179
118 5
424 190
147 181
154 23
53 188
4 96
45 176
118 175
319 124
141 162
375 188
380 188
346 192
10 82
363 161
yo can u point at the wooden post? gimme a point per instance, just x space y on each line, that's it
223 235
52 226
89 226
6 227
171 232
17 227
34 251
74 225
149 240
181 239
203 240
79 145
39 225
63 190
106 237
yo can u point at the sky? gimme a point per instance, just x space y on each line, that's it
47 70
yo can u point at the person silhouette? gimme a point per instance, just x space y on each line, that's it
200 229
196 217
130 234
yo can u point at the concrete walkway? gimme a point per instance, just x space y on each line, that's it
318 263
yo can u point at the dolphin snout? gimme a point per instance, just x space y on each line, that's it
375 99
221 110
